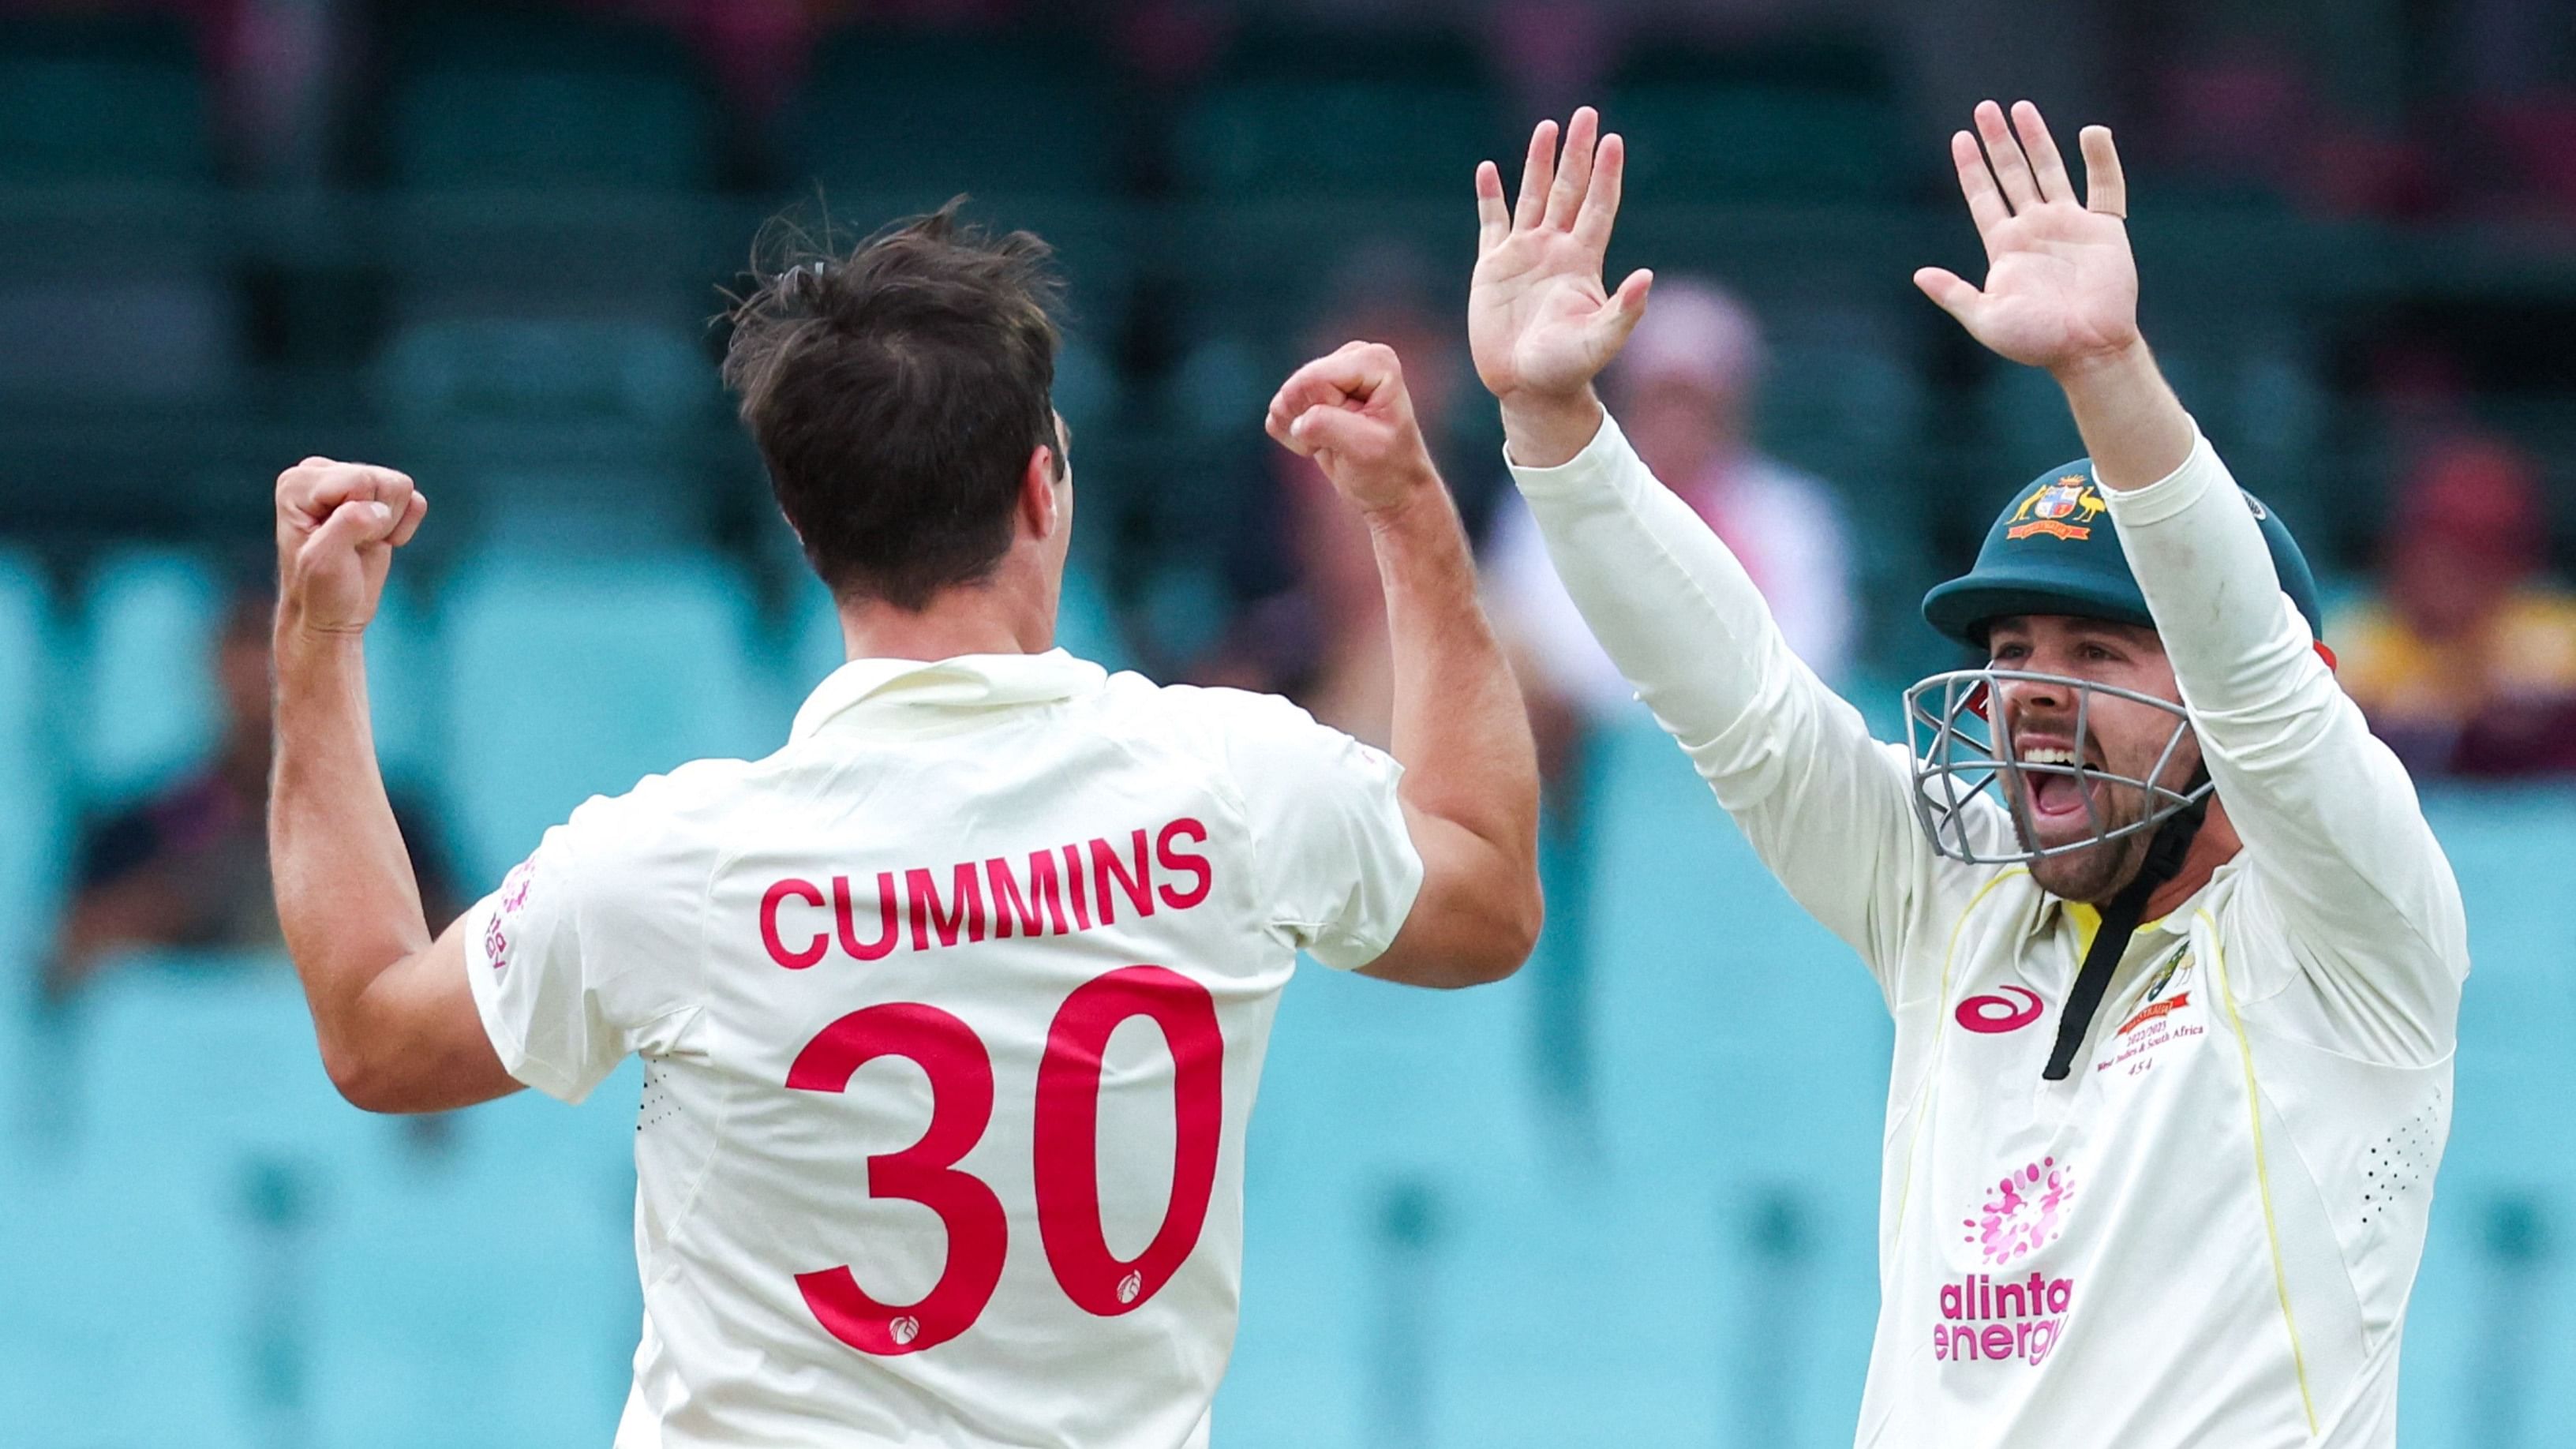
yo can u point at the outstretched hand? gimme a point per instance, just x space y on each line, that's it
337 527
1539 322
2061 284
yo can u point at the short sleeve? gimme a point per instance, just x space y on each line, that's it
1334 858
590 949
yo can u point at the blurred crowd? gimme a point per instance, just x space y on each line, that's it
2461 650
2232 99
2453 628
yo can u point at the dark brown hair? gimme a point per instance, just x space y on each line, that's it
896 393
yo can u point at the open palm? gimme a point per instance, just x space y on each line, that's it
1539 321
2061 282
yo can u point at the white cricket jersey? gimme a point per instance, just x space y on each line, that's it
2207 1233
951 1011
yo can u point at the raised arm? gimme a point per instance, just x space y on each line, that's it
1823 804
1470 787
2329 819
392 1009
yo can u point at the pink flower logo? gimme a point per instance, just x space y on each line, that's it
2025 1212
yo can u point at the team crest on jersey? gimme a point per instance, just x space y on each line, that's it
2063 508
2168 991
2162 1017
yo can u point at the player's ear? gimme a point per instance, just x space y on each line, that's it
1042 493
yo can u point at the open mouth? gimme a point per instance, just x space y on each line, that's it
2061 793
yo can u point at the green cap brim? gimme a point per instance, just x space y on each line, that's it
1962 607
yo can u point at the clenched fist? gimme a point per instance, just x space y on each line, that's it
337 527
1350 413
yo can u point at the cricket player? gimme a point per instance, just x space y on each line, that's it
953 1008
2174 960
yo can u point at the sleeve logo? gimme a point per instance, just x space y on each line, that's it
513 898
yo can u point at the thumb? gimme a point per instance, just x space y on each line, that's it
1950 292
1626 308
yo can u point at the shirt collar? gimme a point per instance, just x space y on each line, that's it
871 687
2088 918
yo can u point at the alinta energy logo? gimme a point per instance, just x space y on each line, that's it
2012 1319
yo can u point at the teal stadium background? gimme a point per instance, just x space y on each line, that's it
1628 1197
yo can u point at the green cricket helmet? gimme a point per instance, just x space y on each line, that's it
2052 551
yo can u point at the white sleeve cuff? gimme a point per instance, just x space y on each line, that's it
1597 462
2173 493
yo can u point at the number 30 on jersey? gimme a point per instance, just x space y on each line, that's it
1066 1151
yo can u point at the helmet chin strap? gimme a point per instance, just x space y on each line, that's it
2165 854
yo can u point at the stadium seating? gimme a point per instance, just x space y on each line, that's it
920 117
570 678
1424 100
1799 121
257 1257
101 99
1264 200
105 132
527 97
566 432
2490 1297
146 706
30 778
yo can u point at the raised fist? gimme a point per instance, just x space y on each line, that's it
337 527
1348 411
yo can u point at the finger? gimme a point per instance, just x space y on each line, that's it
1601 202
1949 291
1985 204
1308 398
2012 169
1351 373
2047 168
2105 189
1626 308
353 526
1538 172
312 491
1493 218
418 510
1336 429
1574 174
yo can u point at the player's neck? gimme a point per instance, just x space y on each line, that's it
2213 846
1002 615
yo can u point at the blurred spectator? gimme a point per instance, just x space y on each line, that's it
2237 119
2466 662
188 868
1316 630
1683 391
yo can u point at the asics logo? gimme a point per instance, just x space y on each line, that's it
1995 1015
